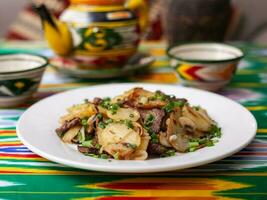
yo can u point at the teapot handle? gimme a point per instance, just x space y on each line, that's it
142 7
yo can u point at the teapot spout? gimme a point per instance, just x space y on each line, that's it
56 32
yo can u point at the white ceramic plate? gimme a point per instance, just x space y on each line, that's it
36 129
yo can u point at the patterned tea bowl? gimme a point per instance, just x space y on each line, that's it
20 75
208 66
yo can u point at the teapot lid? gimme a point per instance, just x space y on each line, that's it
99 2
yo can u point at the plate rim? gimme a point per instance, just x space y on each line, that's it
122 170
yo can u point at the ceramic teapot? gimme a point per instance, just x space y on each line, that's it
95 34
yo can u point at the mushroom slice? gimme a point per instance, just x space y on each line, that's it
138 155
200 118
187 124
176 135
164 140
70 134
124 114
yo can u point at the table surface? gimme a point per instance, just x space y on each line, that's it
25 175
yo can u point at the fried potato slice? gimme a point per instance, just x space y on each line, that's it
116 136
70 134
80 110
124 114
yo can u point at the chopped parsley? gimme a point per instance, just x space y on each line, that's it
197 108
108 121
101 125
97 146
172 105
113 108
105 103
193 144
131 115
81 135
215 131
84 121
103 156
149 120
154 138
99 116
116 156
159 96
87 143
169 153
129 123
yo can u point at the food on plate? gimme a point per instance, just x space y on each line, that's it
138 125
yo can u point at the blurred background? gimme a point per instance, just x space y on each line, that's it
247 20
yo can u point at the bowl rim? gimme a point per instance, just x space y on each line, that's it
188 60
46 62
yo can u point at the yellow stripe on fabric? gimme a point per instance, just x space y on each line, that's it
35 171
159 64
114 24
262 130
250 71
10 143
107 52
8 134
96 8
256 108
66 85
157 52
159 175
22 158
249 85
171 187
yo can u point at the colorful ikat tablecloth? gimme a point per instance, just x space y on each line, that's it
27 176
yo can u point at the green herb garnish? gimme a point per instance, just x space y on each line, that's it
160 96
215 131
99 116
131 115
105 103
101 125
81 135
173 104
108 121
113 108
84 121
192 149
104 156
169 153
193 144
116 156
197 108
154 138
149 120
133 146
129 123
87 143
97 146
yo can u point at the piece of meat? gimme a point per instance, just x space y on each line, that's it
97 100
156 149
67 126
88 150
158 117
